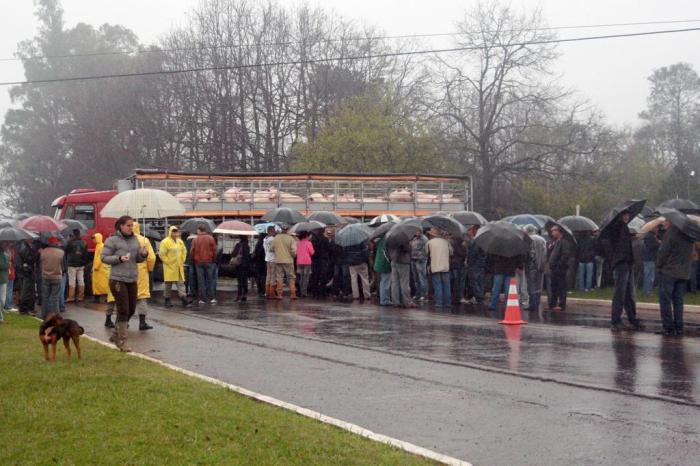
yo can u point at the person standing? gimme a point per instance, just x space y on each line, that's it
650 251
439 250
259 264
241 251
203 254
172 253
585 257
357 258
284 247
4 276
674 266
401 276
52 268
458 271
270 261
145 268
558 261
419 266
27 260
123 251
504 269
476 265
382 266
305 254
534 268
621 263
76 257
9 303
100 270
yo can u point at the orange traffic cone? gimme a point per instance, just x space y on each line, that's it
513 316
513 338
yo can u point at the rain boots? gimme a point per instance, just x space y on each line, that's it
71 294
292 290
270 291
142 323
120 337
185 302
108 321
81 294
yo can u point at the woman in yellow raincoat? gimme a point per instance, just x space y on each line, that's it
144 281
100 270
172 253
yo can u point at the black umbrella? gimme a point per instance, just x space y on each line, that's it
503 239
284 215
441 222
327 217
681 221
682 205
563 228
7 223
306 227
403 233
468 218
382 230
577 223
13 234
353 235
647 211
633 207
350 220
191 224
152 234
74 225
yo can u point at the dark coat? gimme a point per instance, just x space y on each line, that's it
27 259
322 248
621 251
243 248
356 255
506 265
560 255
76 253
674 259
476 257
651 247
585 252
459 253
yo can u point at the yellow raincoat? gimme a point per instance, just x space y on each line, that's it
100 270
173 254
146 266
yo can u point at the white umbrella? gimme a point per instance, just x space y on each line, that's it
143 203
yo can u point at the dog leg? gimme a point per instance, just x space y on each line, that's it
53 350
46 348
76 342
66 343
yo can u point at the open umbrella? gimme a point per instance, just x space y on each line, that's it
544 218
13 234
503 239
682 205
564 229
382 219
382 229
71 225
350 220
444 223
261 228
40 223
24 216
306 227
8 223
402 233
236 227
191 224
327 217
525 219
143 203
632 206
682 221
353 235
152 234
469 218
284 215
578 223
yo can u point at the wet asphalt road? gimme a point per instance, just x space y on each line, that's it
561 389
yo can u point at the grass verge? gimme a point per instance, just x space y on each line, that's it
110 408
606 293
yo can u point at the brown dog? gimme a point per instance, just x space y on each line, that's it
55 328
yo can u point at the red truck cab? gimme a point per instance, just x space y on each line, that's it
85 205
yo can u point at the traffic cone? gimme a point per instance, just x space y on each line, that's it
513 338
513 316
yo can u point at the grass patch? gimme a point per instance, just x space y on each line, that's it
110 408
607 293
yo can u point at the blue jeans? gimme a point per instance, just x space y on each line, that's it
9 304
649 275
191 280
671 293
458 278
585 276
475 283
419 273
499 281
624 294
62 294
385 289
694 277
441 288
50 290
206 280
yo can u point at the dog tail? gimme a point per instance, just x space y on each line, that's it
82 330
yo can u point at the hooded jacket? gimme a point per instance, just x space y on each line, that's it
119 245
100 270
674 259
173 255
145 267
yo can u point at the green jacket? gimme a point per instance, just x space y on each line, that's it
381 262
4 268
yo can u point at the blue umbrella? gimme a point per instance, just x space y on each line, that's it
525 219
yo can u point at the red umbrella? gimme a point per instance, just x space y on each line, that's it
40 223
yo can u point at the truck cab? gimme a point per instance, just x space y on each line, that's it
85 206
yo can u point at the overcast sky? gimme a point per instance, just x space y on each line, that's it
611 74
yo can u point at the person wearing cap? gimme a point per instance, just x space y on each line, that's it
285 249
172 253
52 269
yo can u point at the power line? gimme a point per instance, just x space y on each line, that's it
351 39
350 58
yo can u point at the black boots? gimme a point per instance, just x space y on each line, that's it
185 302
142 323
168 303
108 322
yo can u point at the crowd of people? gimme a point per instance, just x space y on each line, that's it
433 266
